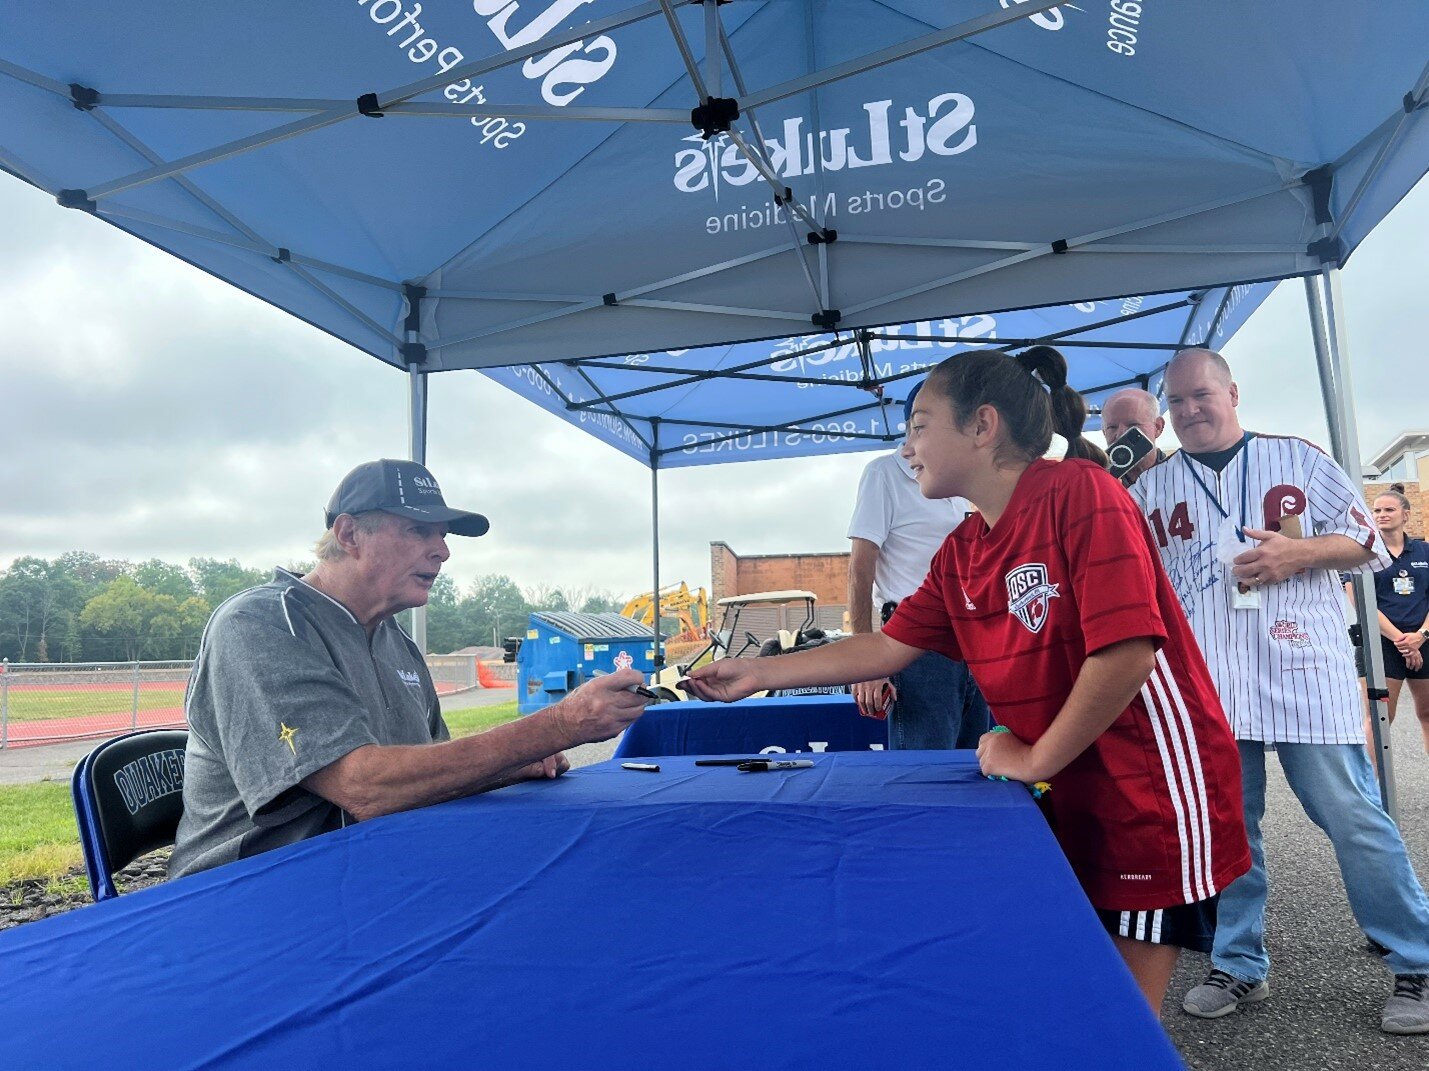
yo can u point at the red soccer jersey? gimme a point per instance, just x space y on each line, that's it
1149 814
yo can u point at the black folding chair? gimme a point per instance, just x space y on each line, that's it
128 798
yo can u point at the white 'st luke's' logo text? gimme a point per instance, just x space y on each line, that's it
1051 19
945 128
1029 595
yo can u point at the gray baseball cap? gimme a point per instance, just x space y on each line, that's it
404 488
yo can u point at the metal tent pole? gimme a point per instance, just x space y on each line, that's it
1328 329
659 659
417 433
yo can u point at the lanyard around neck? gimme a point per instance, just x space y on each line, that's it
1244 484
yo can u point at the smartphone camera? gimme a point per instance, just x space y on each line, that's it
1127 452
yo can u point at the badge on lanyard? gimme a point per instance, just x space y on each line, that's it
1230 545
1230 539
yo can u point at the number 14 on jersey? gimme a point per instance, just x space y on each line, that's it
1180 525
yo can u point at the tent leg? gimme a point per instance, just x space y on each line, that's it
417 436
1326 307
659 660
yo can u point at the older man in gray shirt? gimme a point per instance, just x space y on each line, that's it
309 708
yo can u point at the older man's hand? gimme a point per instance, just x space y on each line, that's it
601 708
549 767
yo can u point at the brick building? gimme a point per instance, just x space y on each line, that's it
1400 462
826 575
1418 501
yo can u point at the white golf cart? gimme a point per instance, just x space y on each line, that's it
730 640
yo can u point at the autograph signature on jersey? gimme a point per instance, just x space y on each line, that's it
1193 572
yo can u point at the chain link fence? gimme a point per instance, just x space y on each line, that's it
45 702
49 702
453 673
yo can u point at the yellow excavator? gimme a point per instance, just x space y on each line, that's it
690 608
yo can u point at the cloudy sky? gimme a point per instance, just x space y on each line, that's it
147 410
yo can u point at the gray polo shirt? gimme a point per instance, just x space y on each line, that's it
287 682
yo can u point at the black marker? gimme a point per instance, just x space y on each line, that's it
724 762
638 689
761 765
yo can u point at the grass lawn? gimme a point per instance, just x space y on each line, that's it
479 719
41 705
38 838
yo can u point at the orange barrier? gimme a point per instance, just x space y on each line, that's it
488 679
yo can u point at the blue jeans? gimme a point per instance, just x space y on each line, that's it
1336 786
938 707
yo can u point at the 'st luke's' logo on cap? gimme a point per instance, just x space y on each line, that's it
1029 595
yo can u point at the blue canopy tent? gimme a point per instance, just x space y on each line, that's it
455 184
825 393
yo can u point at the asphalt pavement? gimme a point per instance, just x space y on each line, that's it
1326 991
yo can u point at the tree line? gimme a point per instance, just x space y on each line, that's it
80 607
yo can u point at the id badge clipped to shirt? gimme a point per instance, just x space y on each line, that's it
1403 584
1229 546
1243 597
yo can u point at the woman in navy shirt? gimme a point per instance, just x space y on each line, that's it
1403 597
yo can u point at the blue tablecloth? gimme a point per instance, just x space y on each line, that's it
796 723
878 910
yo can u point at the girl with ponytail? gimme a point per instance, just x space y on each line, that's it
1055 597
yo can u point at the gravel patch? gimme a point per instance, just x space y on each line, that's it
30 901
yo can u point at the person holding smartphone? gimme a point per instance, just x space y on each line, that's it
1139 409
1055 597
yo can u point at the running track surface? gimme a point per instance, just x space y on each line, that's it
93 726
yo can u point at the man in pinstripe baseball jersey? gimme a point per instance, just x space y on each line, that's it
1252 530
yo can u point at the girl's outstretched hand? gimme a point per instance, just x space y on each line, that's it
724 681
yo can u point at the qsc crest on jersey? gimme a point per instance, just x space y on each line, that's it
1029 596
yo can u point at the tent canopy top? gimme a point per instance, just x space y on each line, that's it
478 184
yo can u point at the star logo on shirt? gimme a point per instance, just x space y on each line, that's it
285 735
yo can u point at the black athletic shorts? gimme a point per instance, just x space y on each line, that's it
1394 667
1190 926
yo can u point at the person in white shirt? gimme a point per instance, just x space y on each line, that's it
893 534
1252 530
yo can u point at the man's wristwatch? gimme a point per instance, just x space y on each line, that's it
1424 632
